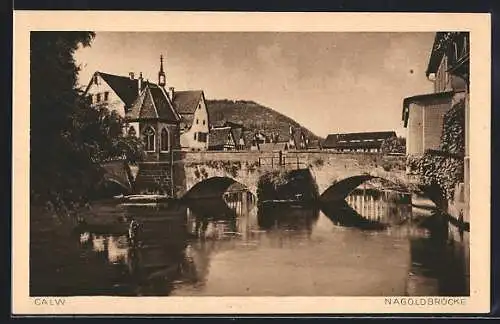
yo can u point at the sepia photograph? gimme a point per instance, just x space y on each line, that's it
249 164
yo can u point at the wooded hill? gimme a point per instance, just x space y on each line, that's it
254 117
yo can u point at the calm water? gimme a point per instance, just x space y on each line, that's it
368 246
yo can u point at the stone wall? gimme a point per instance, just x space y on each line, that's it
154 178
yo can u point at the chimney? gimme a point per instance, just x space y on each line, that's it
131 75
139 83
171 93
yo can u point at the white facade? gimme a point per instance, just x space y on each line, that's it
196 136
100 93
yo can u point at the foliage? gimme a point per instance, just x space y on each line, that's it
393 145
440 171
101 131
270 184
67 137
453 136
412 163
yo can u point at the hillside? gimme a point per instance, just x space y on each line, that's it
254 117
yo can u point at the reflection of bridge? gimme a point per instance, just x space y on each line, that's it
211 173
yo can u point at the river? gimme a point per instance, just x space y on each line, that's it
369 245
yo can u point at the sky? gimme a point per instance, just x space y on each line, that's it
329 82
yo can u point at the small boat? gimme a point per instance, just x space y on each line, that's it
290 203
143 200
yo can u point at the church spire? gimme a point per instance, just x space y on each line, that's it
161 74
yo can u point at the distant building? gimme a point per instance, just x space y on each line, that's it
314 145
274 147
297 139
238 131
221 139
356 142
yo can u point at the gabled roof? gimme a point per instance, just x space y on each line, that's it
186 102
297 137
362 139
237 134
125 87
273 147
219 136
153 103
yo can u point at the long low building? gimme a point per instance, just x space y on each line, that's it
357 142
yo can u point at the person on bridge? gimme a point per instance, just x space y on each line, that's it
133 232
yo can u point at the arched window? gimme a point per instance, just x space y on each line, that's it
149 139
165 140
131 131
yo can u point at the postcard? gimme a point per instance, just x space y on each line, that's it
250 163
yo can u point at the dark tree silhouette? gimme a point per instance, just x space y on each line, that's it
68 138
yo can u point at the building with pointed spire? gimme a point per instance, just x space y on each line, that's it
140 102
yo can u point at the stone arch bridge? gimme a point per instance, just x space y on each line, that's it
210 173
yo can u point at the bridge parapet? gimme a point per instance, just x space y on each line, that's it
246 167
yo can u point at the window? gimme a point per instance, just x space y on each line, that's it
195 136
202 137
131 131
106 96
98 97
164 140
203 121
196 121
149 139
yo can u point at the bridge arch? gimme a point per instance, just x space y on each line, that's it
213 187
341 189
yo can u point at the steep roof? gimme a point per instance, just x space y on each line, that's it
298 137
125 87
153 103
186 102
362 139
237 134
273 147
218 136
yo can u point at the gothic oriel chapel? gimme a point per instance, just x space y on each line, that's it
167 121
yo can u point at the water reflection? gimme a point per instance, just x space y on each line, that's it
369 210
366 245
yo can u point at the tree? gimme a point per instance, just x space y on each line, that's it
394 145
68 138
